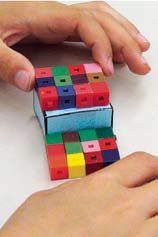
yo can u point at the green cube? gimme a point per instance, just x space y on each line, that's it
62 80
73 147
88 135
55 138
106 132
60 71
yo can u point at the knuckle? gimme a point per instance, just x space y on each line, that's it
147 160
100 4
86 13
139 154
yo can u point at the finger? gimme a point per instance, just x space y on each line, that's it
130 28
149 228
95 38
118 57
134 170
147 198
122 41
15 68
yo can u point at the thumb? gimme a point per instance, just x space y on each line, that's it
15 68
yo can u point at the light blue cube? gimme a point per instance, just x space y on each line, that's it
73 119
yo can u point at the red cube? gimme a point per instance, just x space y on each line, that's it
108 144
48 97
76 69
84 95
94 161
43 72
101 93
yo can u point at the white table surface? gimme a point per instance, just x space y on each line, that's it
23 163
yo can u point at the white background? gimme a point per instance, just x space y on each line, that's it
23 163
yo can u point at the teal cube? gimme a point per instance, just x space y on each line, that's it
106 132
55 138
88 135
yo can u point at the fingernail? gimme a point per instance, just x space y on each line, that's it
22 79
142 38
110 66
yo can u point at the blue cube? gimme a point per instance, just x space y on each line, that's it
45 82
67 97
110 156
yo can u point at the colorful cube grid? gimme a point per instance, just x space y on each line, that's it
76 154
71 86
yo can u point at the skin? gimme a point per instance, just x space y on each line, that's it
110 36
120 200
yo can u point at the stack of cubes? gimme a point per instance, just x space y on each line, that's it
72 105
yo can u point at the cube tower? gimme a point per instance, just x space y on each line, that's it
72 104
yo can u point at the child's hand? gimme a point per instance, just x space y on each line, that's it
105 31
120 200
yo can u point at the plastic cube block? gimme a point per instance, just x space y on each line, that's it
94 161
55 150
62 80
79 79
58 167
76 69
48 97
96 77
87 135
60 71
70 137
105 132
45 82
108 144
100 93
92 68
66 97
90 146
73 147
76 165
110 156
43 72
84 95
55 138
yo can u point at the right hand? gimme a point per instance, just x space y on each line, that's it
118 201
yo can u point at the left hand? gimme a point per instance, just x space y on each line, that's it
110 36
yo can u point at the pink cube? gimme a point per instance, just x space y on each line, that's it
43 72
92 67
90 146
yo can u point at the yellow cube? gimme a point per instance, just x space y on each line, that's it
76 165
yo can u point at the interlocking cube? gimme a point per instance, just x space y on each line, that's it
94 161
48 98
66 97
76 165
84 95
74 86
